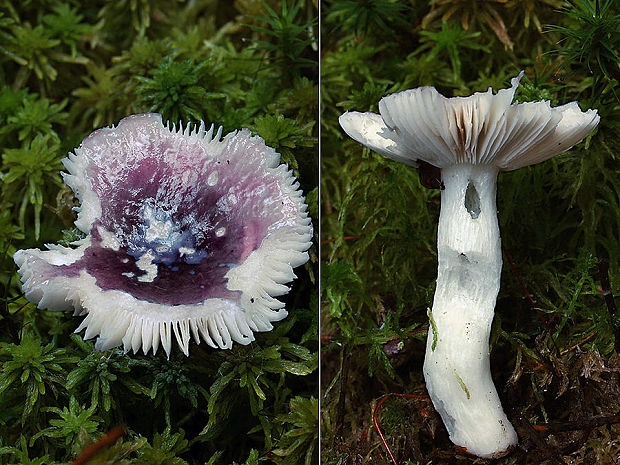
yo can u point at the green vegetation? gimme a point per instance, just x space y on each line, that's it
67 68
555 341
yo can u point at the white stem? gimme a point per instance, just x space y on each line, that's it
456 367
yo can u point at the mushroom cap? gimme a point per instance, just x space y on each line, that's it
187 234
484 128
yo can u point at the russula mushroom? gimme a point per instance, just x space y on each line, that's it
188 234
470 139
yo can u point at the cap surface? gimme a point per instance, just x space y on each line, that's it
187 234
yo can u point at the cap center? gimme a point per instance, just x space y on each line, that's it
159 240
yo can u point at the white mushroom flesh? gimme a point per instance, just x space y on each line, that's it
456 366
471 139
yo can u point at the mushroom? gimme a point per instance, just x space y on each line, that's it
470 139
187 233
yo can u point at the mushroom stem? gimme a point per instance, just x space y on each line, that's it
456 367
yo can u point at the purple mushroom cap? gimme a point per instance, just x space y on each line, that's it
187 233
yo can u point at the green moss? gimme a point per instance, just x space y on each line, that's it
68 68
558 220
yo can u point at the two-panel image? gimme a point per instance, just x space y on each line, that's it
302 232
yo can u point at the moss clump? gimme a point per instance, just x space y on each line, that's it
559 223
68 68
